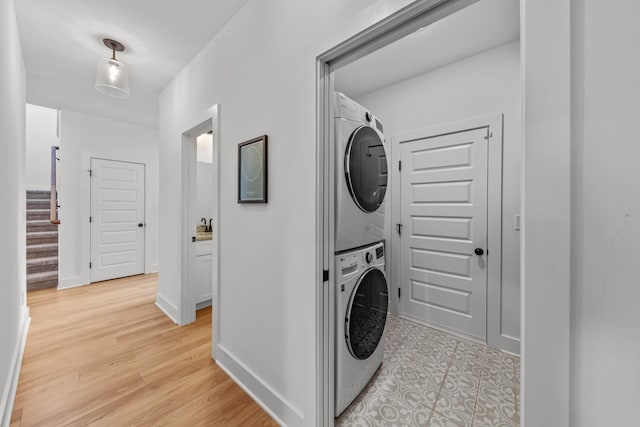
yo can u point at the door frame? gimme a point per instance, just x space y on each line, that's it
495 123
208 120
545 258
404 22
91 213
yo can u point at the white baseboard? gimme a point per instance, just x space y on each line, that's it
70 282
9 393
204 304
154 268
167 308
509 344
283 412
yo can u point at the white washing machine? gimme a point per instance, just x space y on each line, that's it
362 300
361 175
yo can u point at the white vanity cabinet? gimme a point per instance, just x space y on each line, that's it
204 271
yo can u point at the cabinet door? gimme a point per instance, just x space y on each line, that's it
204 278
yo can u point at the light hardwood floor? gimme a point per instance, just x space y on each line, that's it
105 355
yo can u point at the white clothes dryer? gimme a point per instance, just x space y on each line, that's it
361 175
362 300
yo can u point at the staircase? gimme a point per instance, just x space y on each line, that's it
42 243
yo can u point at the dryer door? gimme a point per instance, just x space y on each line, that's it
365 165
367 314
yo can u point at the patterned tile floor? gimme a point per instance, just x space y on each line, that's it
431 378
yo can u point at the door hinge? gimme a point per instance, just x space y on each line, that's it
89 265
399 228
90 219
399 293
325 275
400 165
90 172
489 135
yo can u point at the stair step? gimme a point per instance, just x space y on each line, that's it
42 280
42 251
41 265
41 238
40 225
38 194
41 277
36 214
53 283
38 203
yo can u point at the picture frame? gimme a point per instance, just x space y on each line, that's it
252 170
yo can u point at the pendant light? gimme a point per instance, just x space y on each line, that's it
113 78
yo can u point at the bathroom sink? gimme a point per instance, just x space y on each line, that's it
204 235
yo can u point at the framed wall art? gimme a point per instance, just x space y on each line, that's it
252 170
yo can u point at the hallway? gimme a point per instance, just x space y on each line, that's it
106 355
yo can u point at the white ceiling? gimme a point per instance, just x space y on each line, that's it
481 26
62 42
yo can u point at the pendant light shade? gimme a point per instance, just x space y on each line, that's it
113 77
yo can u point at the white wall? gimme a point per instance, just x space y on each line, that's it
483 84
605 243
13 312
84 136
42 133
267 252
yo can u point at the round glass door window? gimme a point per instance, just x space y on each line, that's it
367 314
366 168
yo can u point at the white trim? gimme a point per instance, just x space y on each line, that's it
325 291
188 147
444 328
216 265
154 268
11 387
405 21
545 256
282 411
167 308
207 120
70 282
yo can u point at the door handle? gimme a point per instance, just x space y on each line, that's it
140 224
479 251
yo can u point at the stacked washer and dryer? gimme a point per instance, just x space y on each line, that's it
362 294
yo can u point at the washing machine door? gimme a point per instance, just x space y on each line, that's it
366 168
367 314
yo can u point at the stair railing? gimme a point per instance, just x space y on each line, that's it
53 207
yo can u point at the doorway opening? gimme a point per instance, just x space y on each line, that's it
457 261
200 218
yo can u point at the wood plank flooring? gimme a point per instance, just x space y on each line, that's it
105 355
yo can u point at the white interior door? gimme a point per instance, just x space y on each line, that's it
443 185
117 219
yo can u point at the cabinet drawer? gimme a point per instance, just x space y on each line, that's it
204 247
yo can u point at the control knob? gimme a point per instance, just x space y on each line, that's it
368 257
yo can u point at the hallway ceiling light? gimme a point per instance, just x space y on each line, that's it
113 78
